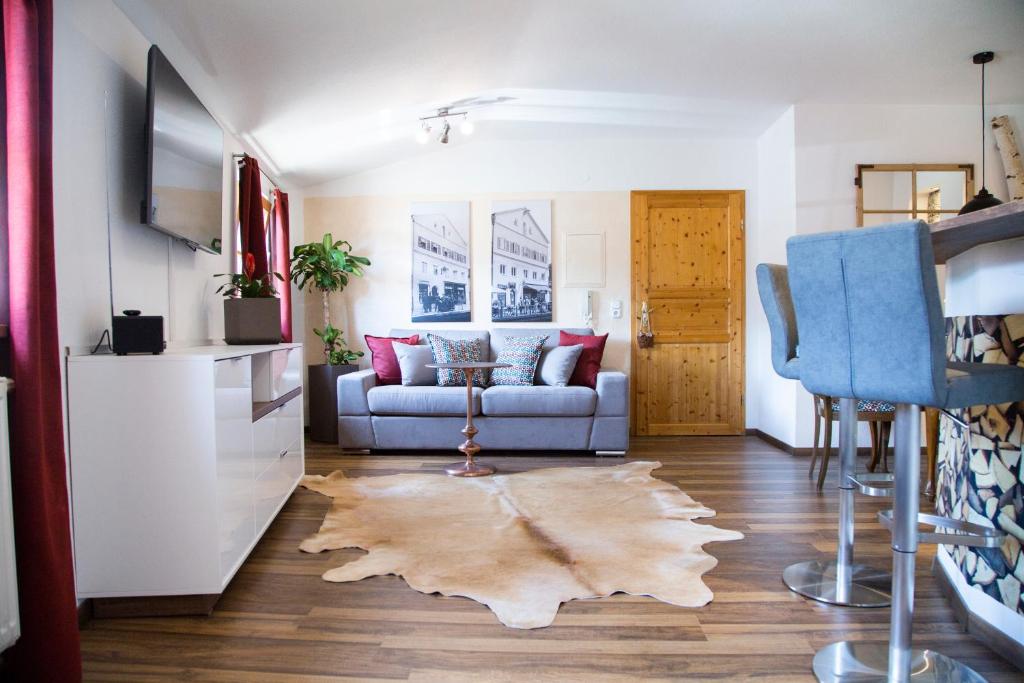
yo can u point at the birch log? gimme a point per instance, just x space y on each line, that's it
1006 142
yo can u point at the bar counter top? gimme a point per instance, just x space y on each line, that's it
956 235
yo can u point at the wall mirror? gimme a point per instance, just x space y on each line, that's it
887 193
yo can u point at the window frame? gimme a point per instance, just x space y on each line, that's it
913 169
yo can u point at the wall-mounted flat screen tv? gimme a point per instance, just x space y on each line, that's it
185 160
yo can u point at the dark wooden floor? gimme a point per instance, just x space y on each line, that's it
278 621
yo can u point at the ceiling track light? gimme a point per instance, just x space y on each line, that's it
444 114
423 134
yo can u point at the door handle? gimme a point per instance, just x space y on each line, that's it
644 335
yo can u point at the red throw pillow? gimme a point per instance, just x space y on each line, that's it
585 374
383 358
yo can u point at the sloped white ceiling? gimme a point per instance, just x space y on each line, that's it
330 87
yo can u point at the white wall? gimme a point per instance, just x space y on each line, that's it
99 175
588 180
557 165
771 400
832 139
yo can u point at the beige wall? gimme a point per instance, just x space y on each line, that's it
378 227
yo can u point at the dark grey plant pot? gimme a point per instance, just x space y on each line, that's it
252 321
322 392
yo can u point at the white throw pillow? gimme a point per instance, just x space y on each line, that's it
413 362
556 365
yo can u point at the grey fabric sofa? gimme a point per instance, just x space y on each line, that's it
509 417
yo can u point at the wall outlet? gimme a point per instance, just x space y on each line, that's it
616 307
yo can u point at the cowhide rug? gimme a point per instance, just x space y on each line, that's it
524 543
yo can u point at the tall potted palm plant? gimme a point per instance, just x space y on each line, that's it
326 267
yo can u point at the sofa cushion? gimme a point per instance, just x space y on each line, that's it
447 351
557 365
540 401
500 334
521 354
383 359
413 361
399 400
483 336
589 363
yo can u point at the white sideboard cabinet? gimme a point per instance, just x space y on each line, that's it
179 463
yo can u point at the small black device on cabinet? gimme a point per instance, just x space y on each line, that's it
137 333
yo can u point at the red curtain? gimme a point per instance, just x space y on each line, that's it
49 646
250 215
282 252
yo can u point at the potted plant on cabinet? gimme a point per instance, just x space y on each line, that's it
252 311
326 267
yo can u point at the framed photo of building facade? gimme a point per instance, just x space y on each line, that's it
521 261
440 262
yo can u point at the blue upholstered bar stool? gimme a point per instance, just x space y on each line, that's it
838 581
849 290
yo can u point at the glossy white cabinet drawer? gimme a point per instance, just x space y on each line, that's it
264 443
276 483
288 430
234 436
276 373
275 433
233 373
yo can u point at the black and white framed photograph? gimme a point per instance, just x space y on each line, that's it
440 262
521 261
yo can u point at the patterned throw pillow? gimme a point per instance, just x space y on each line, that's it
522 353
447 350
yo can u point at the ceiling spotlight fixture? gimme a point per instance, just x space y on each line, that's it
984 199
445 126
423 134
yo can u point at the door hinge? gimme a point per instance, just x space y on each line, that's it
743 225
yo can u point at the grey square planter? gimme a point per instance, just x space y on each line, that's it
322 393
252 321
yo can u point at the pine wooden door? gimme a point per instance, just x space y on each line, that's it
688 267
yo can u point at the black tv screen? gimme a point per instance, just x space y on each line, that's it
185 159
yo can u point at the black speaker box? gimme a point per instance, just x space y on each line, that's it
135 333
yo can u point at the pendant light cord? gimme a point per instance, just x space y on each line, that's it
983 124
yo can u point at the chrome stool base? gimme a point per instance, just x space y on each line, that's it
857 662
814 579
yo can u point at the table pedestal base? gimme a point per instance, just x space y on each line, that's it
469 469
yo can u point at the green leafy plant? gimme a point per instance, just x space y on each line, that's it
334 344
326 267
244 285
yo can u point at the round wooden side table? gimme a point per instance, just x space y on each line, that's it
470 448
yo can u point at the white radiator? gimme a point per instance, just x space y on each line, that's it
10 627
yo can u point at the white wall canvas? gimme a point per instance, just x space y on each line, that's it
440 262
583 260
521 261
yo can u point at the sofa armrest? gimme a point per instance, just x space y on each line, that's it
352 389
612 393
